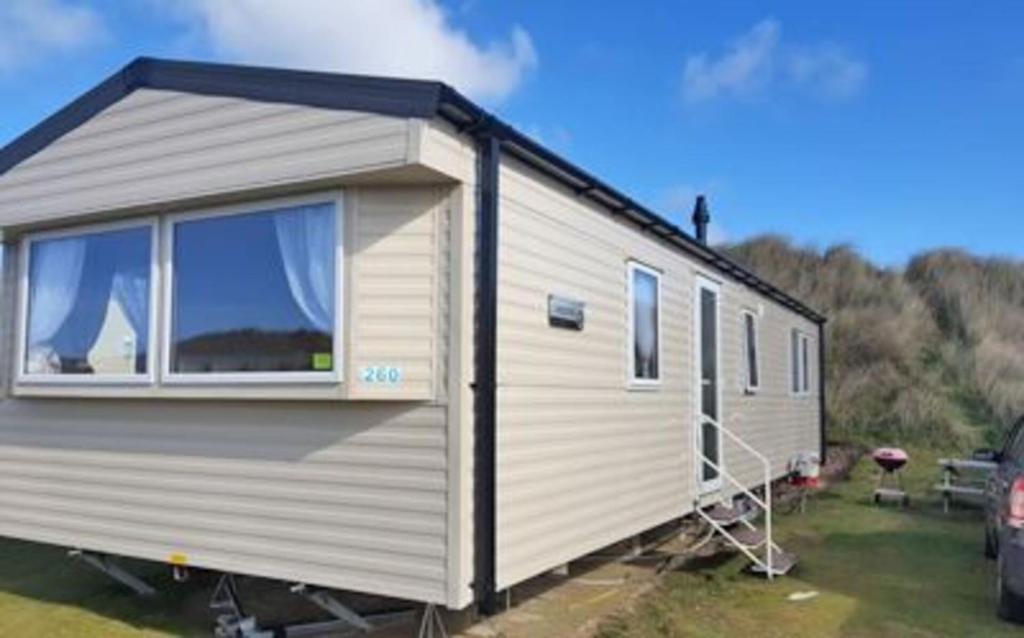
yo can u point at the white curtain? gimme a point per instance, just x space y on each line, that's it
131 291
305 236
57 266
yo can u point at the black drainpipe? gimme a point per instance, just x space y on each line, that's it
485 370
822 416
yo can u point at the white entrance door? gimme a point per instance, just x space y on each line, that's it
708 381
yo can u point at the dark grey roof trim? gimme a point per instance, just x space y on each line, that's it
386 96
396 97
588 186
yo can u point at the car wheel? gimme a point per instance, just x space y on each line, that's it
1010 605
990 544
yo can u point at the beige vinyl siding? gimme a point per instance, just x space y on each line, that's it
344 495
773 420
583 461
398 286
586 459
461 295
8 303
440 148
156 146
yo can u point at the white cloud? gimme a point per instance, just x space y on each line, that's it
409 38
747 66
760 59
828 69
31 29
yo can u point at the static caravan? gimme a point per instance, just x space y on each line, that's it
357 332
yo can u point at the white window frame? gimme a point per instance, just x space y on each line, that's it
803 364
21 377
335 376
632 267
748 386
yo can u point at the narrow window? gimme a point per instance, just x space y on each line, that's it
88 305
254 293
645 323
752 380
794 361
800 363
805 368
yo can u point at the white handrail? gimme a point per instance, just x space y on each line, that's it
765 504
742 488
753 497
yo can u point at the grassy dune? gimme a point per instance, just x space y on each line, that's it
929 354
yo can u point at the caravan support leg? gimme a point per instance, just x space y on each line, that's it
328 603
432 625
107 565
233 623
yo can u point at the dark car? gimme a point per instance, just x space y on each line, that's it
1004 522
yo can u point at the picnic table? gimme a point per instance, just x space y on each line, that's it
963 477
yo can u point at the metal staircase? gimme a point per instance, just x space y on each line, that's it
735 519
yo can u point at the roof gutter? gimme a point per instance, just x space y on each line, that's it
468 118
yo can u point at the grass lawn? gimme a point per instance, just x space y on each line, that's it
879 572
43 593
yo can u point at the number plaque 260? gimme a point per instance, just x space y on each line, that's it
381 374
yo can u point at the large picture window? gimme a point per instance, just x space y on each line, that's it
645 324
87 299
254 294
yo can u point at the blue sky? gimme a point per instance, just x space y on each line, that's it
894 126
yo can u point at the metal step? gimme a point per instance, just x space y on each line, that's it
728 516
782 563
749 538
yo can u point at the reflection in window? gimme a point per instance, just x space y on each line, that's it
255 292
88 304
753 380
645 325
805 366
800 363
709 352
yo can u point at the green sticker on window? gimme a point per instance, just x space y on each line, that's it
323 361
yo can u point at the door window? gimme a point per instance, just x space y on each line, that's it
709 406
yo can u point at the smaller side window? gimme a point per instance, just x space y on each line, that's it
752 378
644 324
794 361
805 365
800 369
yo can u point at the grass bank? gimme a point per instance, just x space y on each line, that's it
878 572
